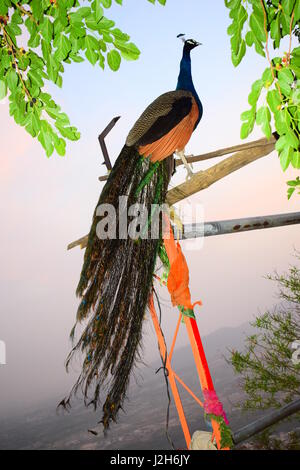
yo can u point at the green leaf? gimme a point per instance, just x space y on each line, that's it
280 122
68 132
232 4
52 68
106 3
46 49
83 11
255 92
34 39
128 50
77 30
60 117
5 62
238 45
249 38
246 115
45 97
236 59
37 9
59 80
267 77
247 127
3 89
281 144
291 192
118 34
287 6
102 24
257 25
276 30
286 157
91 44
59 144
114 60
285 75
47 29
35 77
263 118
101 60
285 88
285 23
17 107
12 80
14 29
274 101
105 23
76 58
291 139
259 48
44 138
63 48
296 160
96 7
16 17
23 62
32 123
296 51
107 37
294 183
3 9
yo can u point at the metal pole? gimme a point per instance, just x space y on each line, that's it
263 423
223 227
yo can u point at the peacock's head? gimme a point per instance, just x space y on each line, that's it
189 44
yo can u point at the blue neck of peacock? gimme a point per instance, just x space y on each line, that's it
185 80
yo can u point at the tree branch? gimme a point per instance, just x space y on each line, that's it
204 179
217 153
226 151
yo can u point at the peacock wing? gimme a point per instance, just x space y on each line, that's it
160 117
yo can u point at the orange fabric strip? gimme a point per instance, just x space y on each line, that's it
178 286
174 338
188 390
171 378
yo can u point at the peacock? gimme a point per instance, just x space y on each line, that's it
117 274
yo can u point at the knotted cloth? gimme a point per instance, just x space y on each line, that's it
178 278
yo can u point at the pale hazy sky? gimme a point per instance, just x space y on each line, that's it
47 203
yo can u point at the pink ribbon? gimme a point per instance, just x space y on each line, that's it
212 404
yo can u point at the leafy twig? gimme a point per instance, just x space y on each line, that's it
11 48
26 12
291 31
267 48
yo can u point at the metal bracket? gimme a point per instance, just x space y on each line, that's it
101 138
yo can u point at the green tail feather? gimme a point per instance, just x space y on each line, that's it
115 285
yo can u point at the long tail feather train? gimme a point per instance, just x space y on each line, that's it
115 285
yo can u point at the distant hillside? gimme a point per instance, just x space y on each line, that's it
143 425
